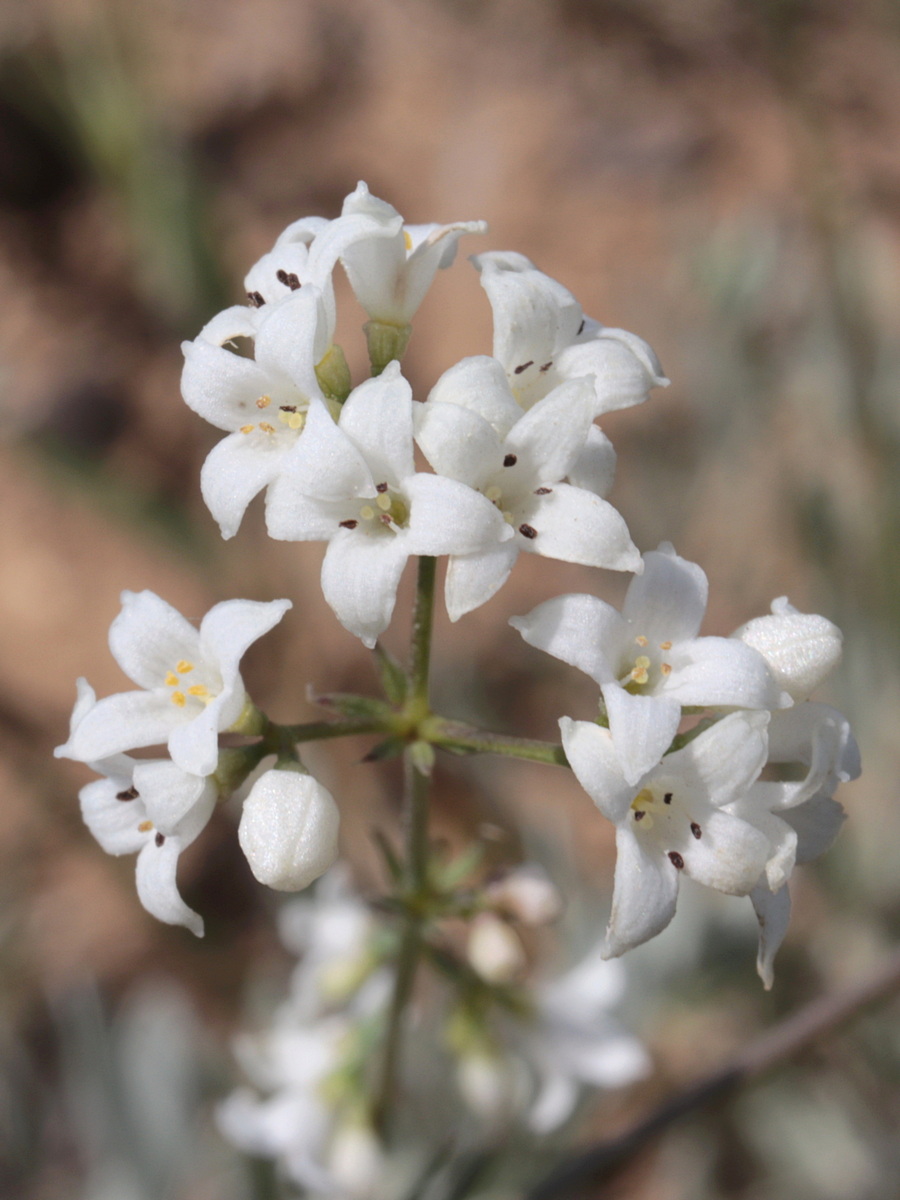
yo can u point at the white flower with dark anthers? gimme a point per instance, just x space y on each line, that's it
472 430
391 269
800 818
575 1041
150 808
354 484
674 819
800 648
648 659
191 689
542 337
260 402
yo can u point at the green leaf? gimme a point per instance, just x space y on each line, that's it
393 677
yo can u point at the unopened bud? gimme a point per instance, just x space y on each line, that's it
289 829
526 895
494 950
800 648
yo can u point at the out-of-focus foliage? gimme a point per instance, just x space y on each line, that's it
721 178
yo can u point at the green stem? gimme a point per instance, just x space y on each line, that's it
314 731
423 621
459 738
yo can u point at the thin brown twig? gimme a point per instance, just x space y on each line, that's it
770 1050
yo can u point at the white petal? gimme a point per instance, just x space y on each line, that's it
446 517
479 384
292 338
293 517
644 894
325 463
729 855
714 670
236 470
472 579
554 1103
435 251
773 911
623 366
125 721
235 322
667 602
113 822
595 466
550 436
360 575
817 823
458 443
580 630
223 387
595 763
157 888
726 758
377 416
576 526
642 728
148 637
177 803
534 316
231 627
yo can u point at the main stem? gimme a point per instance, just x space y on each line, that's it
415 805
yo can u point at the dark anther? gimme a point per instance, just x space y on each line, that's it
696 830
667 798
159 839
287 407
256 299
289 279
580 329
639 814
351 524
129 794
542 491
380 488
676 860
510 460
527 531
545 367
524 367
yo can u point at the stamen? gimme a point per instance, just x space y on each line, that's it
523 367
696 830
288 278
367 512
266 427
145 826
171 679
641 640
580 329
407 240
383 502
510 460
542 491
178 699
351 524
639 814
183 666
256 299
384 518
528 531
247 428
494 493
667 798
198 689
545 367
160 839
665 669
130 793
381 488
264 402
665 645
288 415
676 860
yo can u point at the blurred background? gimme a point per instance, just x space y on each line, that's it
721 178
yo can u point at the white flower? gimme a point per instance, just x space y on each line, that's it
575 1041
800 648
542 337
191 688
674 819
391 268
494 950
260 402
525 894
471 429
289 829
353 484
150 808
648 660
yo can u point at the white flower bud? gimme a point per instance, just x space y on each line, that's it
526 895
800 648
494 950
493 1087
356 1160
289 830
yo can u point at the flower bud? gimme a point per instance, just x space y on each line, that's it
800 648
289 829
526 895
494 950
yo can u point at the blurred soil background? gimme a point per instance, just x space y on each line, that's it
721 178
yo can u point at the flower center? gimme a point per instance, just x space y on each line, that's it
384 512
647 669
659 807
289 416
181 687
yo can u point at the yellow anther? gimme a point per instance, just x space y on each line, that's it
145 826
266 427
247 428
407 239
264 402
184 666
666 669
383 501
665 645
171 679
494 493
367 512
198 690
178 698
642 661
639 675
641 640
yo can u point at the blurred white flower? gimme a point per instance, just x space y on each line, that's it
289 829
494 950
525 894
649 660
191 688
